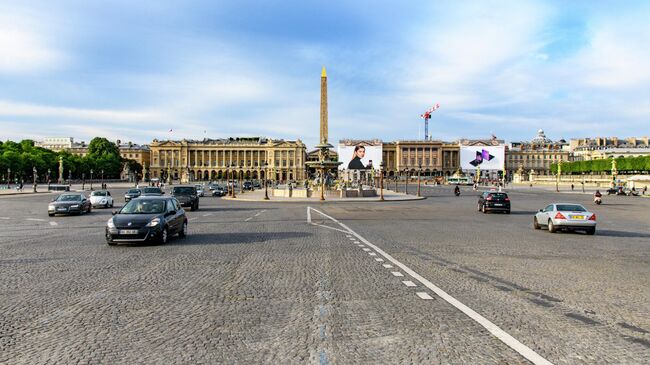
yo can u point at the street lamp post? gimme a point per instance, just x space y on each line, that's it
266 181
83 181
322 183
381 181
8 177
559 173
232 174
48 179
398 174
34 171
406 171
419 180
91 179
240 175
102 178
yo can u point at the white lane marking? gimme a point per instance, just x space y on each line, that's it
396 273
207 214
53 223
256 214
191 219
366 249
502 335
36 219
263 210
388 266
247 219
5 218
360 245
408 283
379 259
372 254
328 227
423 295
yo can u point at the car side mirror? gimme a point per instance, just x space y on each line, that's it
541 210
114 212
171 212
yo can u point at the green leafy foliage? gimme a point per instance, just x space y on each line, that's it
623 165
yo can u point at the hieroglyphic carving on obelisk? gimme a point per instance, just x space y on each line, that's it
323 107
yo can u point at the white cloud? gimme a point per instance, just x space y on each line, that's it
26 46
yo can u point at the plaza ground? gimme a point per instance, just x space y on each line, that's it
328 283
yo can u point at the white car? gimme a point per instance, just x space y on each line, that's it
199 190
567 216
101 198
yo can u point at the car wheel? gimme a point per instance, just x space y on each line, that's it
536 224
483 209
183 231
478 207
551 226
591 231
50 214
164 236
90 209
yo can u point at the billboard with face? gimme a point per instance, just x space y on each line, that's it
483 157
360 156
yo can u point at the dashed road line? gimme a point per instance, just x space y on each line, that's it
423 295
248 219
191 219
388 266
36 219
366 249
5 218
396 273
372 254
53 223
495 330
379 259
408 283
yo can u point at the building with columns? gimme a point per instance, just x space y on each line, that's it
585 149
536 156
436 158
210 159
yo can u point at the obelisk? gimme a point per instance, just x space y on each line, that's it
323 107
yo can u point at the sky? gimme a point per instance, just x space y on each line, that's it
133 70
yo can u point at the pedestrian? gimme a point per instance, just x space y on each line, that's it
20 186
645 189
572 187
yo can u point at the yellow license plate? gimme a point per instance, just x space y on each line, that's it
578 217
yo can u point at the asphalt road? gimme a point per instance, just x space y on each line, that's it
429 281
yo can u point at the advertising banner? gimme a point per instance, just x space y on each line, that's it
360 155
483 157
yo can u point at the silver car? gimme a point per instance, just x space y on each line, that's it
571 216
199 190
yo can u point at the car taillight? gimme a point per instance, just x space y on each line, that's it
507 199
592 218
489 198
559 216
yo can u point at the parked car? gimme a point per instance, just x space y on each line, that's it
199 190
257 184
132 194
152 218
491 201
152 191
212 186
247 185
69 203
186 196
219 191
101 198
565 216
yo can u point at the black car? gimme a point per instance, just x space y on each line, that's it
257 184
186 196
247 185
152 191
494 201
69 203
132 194
147 219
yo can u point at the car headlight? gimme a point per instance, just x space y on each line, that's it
50 207
154 222
110 223
74 206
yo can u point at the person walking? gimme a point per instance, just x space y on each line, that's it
572 187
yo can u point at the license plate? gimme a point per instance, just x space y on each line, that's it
128 231
61 209
498 205
578 217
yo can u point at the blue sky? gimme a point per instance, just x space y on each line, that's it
131 70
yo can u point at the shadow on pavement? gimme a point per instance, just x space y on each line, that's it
610 233
239 237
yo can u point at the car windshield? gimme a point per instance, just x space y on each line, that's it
152 190
98 193
183 191
69 198
498 195
571 208
133 191
143 206
199 186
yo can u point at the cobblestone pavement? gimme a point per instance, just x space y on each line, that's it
256 283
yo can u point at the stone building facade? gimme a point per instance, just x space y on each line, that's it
536 156
585 149
434 158
210 159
